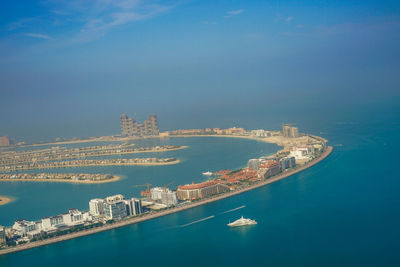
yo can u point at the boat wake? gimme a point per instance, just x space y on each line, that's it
238 208
207 218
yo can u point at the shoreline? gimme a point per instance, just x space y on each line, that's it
114 179
150 216
102 154
5 200
102 165
270 140
89 140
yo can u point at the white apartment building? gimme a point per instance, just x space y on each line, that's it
164 195
302 152
96 207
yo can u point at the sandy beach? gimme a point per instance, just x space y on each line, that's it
5 200
114 179
150 216
286 143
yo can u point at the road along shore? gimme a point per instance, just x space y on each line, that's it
150 216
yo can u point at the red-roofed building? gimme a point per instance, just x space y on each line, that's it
201 190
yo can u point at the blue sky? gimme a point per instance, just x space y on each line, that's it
69 68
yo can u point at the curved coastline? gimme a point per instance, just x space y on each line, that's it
150 216
5 200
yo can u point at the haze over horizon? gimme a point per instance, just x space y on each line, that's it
70 68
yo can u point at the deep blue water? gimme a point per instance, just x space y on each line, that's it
343 211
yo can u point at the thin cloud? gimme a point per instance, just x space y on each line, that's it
209 22
235 12
299 26
289 19
90 20
38 35
101 24
19 24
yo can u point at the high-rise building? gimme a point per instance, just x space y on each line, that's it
290 131
133 207
129 127
287 162
164 195
115 207
96 207
2 236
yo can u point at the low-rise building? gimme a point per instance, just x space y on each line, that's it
22 227
46 225
202 190
261 133
302 152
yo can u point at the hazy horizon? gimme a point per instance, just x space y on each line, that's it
70 68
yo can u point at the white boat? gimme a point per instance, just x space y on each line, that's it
241 222
207 173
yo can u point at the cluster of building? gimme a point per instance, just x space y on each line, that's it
130 127
263 133
57 154
227 180
235 178
118 208
115 207
287 132
60 153
100 210
210 131
59 176
26 230
86 162
304 152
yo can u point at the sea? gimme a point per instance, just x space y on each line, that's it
345 211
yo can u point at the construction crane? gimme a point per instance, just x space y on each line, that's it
145 193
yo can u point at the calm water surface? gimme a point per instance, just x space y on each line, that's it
344 211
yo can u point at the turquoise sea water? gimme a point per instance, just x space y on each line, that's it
343 211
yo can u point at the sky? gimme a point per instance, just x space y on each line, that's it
69 68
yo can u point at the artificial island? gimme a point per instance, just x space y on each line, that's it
300 151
